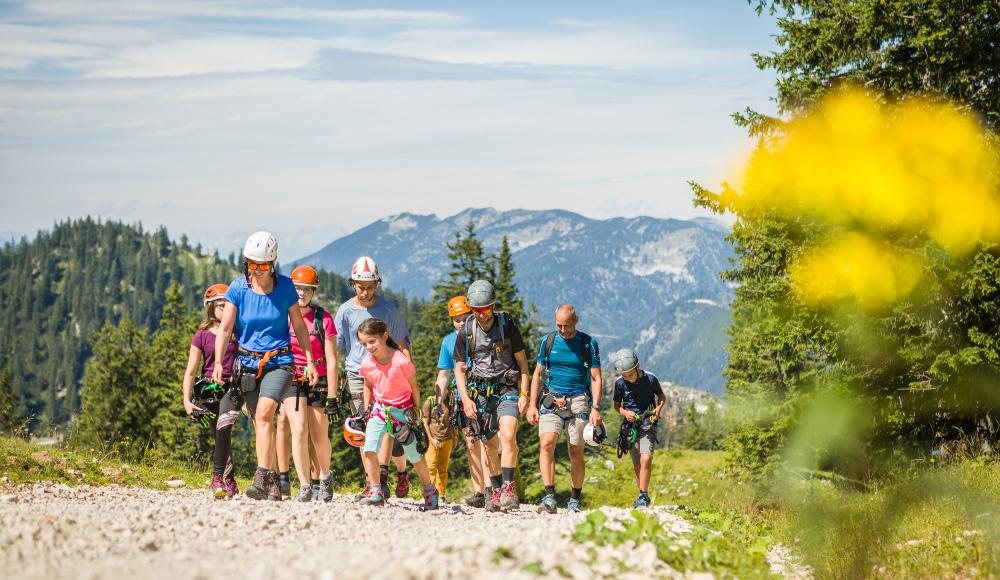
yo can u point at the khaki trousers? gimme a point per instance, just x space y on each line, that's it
437 463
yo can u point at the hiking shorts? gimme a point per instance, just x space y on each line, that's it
574 419
376 431
508 409
356 385
276 384
644 445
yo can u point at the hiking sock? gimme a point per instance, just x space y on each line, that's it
497 481
383 475
576 493
313 482
508 473
405 472
550 490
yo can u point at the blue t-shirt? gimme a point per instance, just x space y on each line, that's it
262 319
566 374
639 396
349 318
445 360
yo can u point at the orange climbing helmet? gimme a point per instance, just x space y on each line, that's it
216 292
458 306
305 276
354 431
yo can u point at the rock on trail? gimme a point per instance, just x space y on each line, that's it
55 531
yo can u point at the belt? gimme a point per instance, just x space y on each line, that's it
264 356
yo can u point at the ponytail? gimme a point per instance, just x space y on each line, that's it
376 327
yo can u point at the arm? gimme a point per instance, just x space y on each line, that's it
404 346
194 359
414 390
596 392
367 396
224 332
441 385
330 353
661 400
536 381
468 405
629 415
302 335
522 362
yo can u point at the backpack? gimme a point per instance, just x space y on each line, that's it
501 319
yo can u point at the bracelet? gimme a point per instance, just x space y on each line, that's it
523 394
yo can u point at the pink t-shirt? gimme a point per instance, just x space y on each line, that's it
390 382
317 348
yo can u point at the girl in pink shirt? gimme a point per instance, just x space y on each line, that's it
389 397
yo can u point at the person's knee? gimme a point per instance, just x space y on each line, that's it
575 452
547 445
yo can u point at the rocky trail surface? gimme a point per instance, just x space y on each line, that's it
56 531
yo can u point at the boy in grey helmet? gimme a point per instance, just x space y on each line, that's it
493 387
638 399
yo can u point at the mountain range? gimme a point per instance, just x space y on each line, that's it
646 283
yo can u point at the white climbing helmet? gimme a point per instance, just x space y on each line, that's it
261 247
624 360
594 436
365 270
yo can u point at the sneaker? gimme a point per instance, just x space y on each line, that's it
273 487
218 488
492 503
476 500
361 497
305 494
402 484
258 489
548 504
324 490
285 485
230 484
641 502
573 505
375 497
431 500
508 497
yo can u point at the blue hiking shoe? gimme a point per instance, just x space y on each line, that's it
548 504
573 505
641 502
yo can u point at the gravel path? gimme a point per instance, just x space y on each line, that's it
55 531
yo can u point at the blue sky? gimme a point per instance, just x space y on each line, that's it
312 119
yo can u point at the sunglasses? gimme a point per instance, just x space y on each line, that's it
482 309
305 289
255 266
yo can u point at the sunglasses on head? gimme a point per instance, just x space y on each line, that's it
482 309
262 267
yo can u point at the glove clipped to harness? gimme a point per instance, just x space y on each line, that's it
333 410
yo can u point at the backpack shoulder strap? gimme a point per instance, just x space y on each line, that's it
550 341
470 339
502 320
318 330
585 349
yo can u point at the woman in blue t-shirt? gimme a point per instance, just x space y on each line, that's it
261 304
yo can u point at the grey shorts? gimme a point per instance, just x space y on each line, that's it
644 445
574 419
508 409
276 384
356 385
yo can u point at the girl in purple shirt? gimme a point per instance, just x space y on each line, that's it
201 361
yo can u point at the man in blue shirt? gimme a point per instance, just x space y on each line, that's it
569 399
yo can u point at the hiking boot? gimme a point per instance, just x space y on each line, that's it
261 480
492 503
431 499
305 494
324 490
573 505
285 484
548 504
508 496
374 498
218 488
229 482
273 487
315 488
476 500
402 484
641 502
360 497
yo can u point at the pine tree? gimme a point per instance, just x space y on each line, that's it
12 422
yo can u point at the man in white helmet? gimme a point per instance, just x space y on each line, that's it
569 399
365 280
493 387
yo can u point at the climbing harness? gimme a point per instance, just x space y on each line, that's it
264 357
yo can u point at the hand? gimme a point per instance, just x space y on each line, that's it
470 409
595 417
522 404
313 374
190 407
217 373
436 443
629 415
532 415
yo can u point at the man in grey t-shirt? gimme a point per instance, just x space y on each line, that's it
365 279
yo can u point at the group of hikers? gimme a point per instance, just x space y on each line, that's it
250 351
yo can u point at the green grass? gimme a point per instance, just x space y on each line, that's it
22 463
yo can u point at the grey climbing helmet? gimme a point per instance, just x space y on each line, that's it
481 294
625 360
